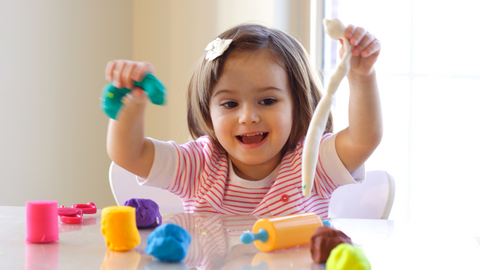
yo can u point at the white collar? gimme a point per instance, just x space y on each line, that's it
266 182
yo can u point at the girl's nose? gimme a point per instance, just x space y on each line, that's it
248 115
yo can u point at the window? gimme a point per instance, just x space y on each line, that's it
429 78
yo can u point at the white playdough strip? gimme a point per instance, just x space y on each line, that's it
336 30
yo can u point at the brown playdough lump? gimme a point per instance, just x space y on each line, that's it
324 239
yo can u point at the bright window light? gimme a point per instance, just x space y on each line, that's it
429 79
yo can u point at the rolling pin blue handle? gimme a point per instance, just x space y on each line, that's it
249 237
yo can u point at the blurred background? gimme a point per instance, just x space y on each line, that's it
53 54
52 59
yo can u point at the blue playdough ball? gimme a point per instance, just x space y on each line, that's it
168 242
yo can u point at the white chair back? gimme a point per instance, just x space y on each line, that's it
372 199
125 187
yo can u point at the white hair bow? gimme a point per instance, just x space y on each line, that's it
216 48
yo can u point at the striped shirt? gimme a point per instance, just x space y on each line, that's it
202 176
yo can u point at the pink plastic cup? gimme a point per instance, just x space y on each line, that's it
41 221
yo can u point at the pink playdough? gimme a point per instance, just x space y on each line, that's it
70 215
89 208
41 221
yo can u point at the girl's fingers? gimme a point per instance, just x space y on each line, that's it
367 39
373 47
138 93
357 36
364 43
137 96
123 73
109 70
349 31
139 72
127 74
117 74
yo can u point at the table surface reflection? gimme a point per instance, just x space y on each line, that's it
216 245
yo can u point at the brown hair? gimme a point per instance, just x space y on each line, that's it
303 79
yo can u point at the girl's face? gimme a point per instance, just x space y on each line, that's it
251 110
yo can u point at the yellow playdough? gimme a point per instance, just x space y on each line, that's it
119 228
347 257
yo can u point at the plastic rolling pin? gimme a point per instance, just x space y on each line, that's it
282 232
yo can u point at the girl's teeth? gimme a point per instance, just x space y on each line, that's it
256 134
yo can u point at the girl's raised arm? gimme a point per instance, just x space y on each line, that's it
126 142
357 142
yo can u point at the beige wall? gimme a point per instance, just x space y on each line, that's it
52 56
52 131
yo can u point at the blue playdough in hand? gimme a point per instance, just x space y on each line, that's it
111 99
168 242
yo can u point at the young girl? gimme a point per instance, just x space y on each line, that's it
250 101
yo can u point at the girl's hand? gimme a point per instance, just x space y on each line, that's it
122 73
365 50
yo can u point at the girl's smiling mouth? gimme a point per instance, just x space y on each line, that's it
252 138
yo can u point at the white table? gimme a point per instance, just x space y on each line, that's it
215 245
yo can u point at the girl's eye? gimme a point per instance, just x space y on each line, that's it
268 101
229 104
